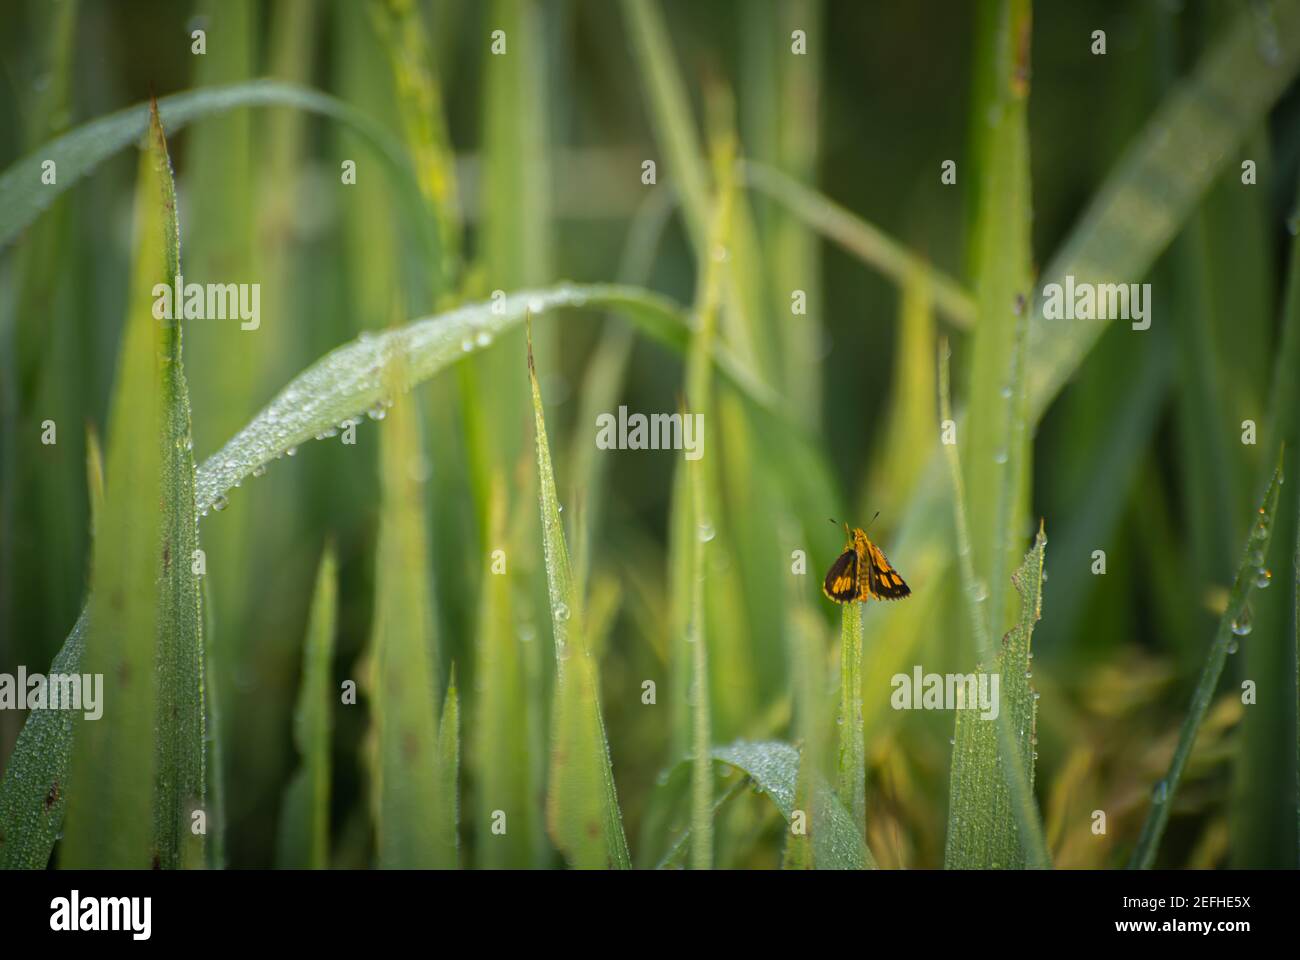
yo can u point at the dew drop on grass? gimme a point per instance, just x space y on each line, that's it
466 345
377 412
484 338
1241 625
291 452
220 503
561 612
1160 792
979 592
1233 646
259 470
1263 578
1000 457
952 741
706 532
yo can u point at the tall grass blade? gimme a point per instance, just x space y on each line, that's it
410 808
1234 622
136 778
853 751
582 804
305 819
984 828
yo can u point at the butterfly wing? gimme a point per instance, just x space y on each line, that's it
841 584
881 579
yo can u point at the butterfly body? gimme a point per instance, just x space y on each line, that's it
861 572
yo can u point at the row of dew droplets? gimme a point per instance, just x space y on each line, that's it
1263 577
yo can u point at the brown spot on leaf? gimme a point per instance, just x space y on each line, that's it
52 797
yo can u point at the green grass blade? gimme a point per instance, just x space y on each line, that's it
582 804
81 150
984 827
1150 194
853 752
33 793
135 779
1234 621
305 819
992 818
404 644
501 759
350 380
685 167
447 822
774 768
862 239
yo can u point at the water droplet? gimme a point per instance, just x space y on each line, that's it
706 532
1029 675
1006 392
1241 625
259 470
719 253
291 452
466 345
952 741
1037 695
377 412
561 612
980 591
535 305
1000 457
230 464
1263 578
220 503
1160 792
1233 647
484 338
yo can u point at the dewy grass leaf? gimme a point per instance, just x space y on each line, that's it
447 822
1234 622
410 810
984 827
996 766
774 768
78 152
862 239
136 779
581 804
305 819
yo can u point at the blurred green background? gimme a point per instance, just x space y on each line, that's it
1139 454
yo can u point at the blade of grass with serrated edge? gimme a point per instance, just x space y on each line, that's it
862 239
404 646
983 826
582 804
998 768
447 823
81 150
1252 561
132 788
305 818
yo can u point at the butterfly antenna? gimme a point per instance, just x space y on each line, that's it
873 519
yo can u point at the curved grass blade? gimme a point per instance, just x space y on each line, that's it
774 766
136 778
305 819
1236 614
862 239
582 804
350 380
78 152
